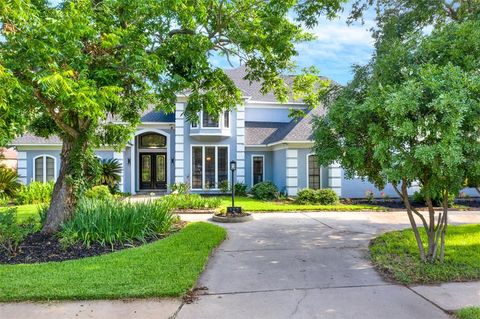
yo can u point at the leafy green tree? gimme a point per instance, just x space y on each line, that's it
412 115
71 68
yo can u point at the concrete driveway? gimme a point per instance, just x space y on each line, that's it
309 265
287 265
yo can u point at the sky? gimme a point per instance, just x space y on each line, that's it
337 47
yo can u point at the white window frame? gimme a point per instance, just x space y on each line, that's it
263 166
221 122
44 177
308 171
203 165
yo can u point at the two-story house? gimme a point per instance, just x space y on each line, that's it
266 144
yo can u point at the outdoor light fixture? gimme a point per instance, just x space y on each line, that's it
233 210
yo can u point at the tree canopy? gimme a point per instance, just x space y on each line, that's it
412 115
84 70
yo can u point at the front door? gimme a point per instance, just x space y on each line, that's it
153 170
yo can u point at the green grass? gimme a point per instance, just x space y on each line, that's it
469 313
25 211
168 267
396 254
255 205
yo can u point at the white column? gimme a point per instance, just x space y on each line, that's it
119 157
335 178
22 167
292 172
179 143
133 171
240 149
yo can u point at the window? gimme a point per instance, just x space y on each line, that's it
197 167
257 169
226 119
314 175
44 168
152 141
209 166
210 120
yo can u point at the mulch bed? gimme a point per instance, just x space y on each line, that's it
38 247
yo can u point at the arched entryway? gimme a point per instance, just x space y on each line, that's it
152 167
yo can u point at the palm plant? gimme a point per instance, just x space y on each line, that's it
111 172
9 184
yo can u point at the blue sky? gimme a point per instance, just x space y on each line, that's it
337 47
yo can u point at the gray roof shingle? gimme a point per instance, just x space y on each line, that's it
30 139
263 133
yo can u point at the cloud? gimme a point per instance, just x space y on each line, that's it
338 46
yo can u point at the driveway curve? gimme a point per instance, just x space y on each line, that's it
307 265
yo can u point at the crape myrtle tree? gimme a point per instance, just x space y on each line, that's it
412 115
85 69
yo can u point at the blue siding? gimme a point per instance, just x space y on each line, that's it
254 114
279 159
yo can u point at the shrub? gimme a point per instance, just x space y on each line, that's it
320 196
12 233
241 189
110 173
35 193
110 221
9 185
437 199
190 201
224 186
101 192
180 188
265 191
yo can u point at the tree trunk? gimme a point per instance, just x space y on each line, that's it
63 197
418 238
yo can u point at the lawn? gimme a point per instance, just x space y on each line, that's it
469 313
25 211
255 205
396 255
168 267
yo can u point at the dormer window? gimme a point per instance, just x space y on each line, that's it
210 120
226 119
221 121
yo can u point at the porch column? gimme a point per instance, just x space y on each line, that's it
335 178
22 167
119 157
292 172
133 174
179 143
240 149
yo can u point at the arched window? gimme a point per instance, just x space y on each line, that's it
44 168
314 173
152 140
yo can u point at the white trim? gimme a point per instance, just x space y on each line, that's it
45 168
134 172
203 165
263 166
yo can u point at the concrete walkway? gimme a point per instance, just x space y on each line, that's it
315 265
288 265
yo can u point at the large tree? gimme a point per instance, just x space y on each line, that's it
79 68
412 115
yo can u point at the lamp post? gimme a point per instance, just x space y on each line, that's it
233 168
233 209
